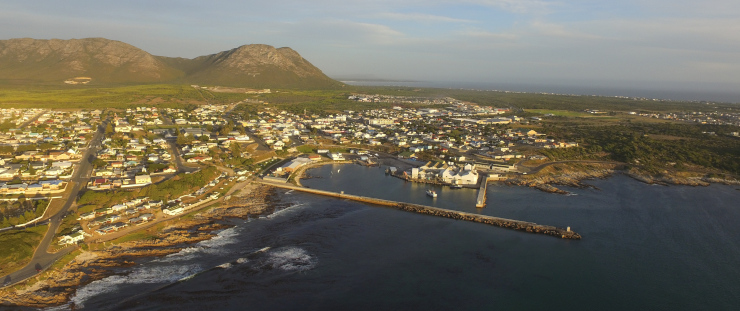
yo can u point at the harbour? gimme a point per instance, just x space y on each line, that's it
650 242
440 212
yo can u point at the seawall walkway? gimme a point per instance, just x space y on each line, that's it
428 210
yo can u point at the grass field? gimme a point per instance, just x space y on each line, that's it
560 113
108 97
18 247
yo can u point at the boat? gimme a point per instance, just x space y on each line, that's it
455 186
432 193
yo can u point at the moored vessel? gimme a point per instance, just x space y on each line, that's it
432 193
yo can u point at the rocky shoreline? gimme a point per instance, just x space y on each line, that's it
574 177
56 287
567 177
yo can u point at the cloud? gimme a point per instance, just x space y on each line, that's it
559 30
339 32
516 6
420 17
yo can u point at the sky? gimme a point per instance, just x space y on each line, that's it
660 44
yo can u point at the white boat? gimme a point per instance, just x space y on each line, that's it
455 186
432 193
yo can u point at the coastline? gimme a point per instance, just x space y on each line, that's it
570 175
56 286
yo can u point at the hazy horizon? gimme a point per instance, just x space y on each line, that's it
650 44
564 89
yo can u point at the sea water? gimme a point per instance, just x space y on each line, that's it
643 247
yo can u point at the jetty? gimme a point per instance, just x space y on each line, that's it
440 212
481 200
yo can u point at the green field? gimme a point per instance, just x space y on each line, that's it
560 113
18 247
313 101
77 97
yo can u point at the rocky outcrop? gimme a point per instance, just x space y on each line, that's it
570 178
666 179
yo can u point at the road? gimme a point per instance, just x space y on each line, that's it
36 117
181 168
42 259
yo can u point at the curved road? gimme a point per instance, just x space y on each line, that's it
42 259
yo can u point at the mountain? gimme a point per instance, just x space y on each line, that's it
253 65
103 61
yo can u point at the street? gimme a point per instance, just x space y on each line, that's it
42 259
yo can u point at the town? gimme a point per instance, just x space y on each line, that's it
438 140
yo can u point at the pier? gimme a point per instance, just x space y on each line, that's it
481 201
434 211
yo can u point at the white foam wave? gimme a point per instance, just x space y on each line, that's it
227 265
223 238
214 245
291 259
140 275
283 211
242 260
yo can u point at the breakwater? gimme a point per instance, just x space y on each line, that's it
481 199
440 212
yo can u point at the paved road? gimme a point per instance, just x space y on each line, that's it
42 259
36 117
181 168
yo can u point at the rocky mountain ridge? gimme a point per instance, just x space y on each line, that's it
107 61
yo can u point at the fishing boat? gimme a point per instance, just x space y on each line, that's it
432 193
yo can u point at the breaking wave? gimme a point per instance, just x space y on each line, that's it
211 246
290 259
140 275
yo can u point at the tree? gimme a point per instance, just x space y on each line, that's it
236 149
109 130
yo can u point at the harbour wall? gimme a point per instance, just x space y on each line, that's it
434 211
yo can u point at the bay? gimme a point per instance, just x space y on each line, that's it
643 247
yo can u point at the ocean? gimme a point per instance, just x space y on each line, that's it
676 93
643 247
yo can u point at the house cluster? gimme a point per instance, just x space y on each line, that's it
42 186
415 100
18 116
34 165
130 162
177 206
714 118
203 141
276 128
62 130
135 119
39 157
203 115
73 238
443 173
458 125
113 218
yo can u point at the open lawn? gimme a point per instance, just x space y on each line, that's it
18 247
